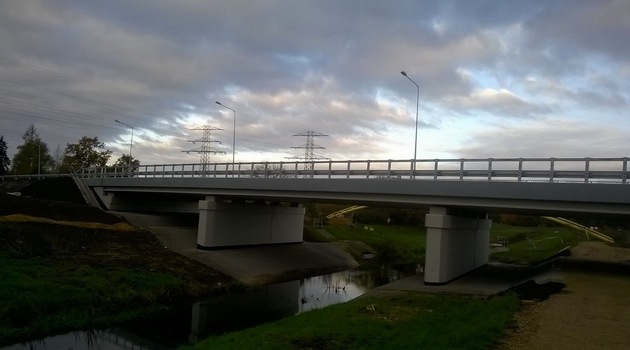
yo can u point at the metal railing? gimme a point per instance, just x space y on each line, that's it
586 170
30 177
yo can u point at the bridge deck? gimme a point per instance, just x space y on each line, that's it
491 196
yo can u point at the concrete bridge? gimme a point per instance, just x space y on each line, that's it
262 203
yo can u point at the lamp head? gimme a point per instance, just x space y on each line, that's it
403 73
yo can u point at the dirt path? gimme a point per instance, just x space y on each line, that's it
592 312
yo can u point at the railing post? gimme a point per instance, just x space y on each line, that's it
520 169
389 168
624 175
461 169
551 169
411 172
435 169
367 174
489 169
587 166
329 168
348 173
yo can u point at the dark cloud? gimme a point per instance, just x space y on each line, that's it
72 67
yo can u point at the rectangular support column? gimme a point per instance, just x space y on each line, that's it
224 224
455 245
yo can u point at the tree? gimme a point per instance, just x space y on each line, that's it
126 165
86 153
4 158
127 160
57 157
32 157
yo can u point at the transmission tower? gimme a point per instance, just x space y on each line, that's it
309 148
205 150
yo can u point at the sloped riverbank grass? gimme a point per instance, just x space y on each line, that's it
38 297
407 244
58 277
531 245
388 321
402 244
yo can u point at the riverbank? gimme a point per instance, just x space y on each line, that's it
252 266
591 312
65 266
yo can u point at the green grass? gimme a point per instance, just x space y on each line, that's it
401 321
37 297
400 244
407 245
530 245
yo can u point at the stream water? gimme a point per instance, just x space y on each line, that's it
226 313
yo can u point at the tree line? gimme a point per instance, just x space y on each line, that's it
34 156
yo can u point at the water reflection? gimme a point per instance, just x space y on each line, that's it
227 313
109 339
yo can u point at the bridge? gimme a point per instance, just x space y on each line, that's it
262 203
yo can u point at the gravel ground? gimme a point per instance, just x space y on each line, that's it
592 312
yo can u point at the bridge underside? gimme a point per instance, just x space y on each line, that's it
228 224
457 241
223 222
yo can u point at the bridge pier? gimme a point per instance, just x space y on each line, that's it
456 244
229 224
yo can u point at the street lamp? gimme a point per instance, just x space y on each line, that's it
234 128
415 144
131 143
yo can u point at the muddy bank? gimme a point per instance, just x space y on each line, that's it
591 312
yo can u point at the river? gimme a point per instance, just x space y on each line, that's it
226 313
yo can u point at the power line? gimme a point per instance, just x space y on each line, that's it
74 102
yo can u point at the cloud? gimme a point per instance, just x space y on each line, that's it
555 137
499 102
72 67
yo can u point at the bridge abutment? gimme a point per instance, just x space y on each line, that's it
456 244
229 224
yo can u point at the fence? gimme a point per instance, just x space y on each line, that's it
587 170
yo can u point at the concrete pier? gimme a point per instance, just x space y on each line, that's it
225 224
456 244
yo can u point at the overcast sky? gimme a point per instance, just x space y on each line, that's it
539 78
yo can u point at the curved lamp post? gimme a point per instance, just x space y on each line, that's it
234 128
415 143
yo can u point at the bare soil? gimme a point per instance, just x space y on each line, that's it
592 312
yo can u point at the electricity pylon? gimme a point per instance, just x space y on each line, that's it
205 150
309 149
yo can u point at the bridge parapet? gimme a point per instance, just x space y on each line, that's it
586 170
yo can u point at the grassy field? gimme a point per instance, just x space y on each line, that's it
38 297
401 321
400 244
531 245
58 277
405 320
406 245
